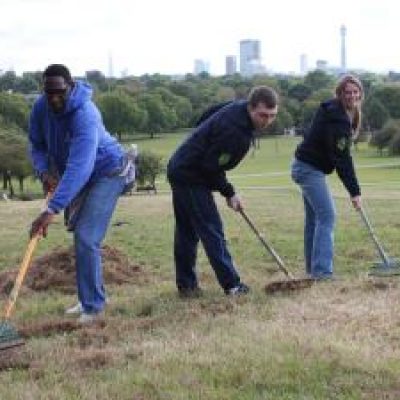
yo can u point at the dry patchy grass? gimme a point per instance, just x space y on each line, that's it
336 340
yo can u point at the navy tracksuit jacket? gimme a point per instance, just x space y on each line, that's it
196 169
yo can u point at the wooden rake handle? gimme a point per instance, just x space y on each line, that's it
266 245
12 298
26 261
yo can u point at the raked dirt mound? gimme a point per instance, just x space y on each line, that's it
56 271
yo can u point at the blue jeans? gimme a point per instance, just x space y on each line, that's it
320 218
90 229
197 218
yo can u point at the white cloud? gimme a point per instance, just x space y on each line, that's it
166 36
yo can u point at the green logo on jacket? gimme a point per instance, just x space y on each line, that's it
342 144
223 159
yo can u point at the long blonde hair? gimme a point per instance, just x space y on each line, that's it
339 90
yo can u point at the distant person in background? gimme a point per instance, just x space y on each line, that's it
325 148
219 142
87 169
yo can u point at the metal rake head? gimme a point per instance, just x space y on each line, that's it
9 337
288 285
390 267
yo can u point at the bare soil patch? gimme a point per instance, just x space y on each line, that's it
56 271
14 359
92 336
53 327
92 359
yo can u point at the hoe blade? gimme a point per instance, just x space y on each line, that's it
9 337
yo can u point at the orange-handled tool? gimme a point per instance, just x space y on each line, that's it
26 261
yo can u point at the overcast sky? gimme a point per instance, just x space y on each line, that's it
165 36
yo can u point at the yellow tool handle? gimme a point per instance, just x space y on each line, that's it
12 298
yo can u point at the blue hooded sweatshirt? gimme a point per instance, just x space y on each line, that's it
75 143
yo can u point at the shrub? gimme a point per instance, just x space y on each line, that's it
394 144
149 166
382 138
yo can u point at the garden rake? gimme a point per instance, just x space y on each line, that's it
388 266
9 336
291 283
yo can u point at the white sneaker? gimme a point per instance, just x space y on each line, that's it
75 310
88 318
238 290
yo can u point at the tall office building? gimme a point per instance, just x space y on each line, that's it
303 64
250 57
343 65
322 65
201 66
110 65
230 65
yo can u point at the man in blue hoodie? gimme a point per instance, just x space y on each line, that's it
219 142
75 156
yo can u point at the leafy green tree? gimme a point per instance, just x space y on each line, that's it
294 108
184 111
242 90
155 81
184 89
176 105
283 121
369 80
14 109
14 160
284 86
308 111
317 79
321 95
381 139
300 92
375 114
27 84
394 144
8 81
241 85
160 116
224 93
121 114
389 96
97 79
265 80
311 105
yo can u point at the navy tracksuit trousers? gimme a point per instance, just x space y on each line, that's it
197 218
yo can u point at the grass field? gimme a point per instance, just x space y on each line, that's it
337 340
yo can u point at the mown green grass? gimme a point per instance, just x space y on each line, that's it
269 165
336 340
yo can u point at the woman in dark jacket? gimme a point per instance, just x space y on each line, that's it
325 148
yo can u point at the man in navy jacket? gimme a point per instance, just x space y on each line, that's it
73 154
196 169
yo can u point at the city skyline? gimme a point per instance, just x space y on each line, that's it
147 37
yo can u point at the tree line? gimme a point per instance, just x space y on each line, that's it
155 104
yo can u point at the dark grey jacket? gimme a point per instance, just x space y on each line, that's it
327 144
